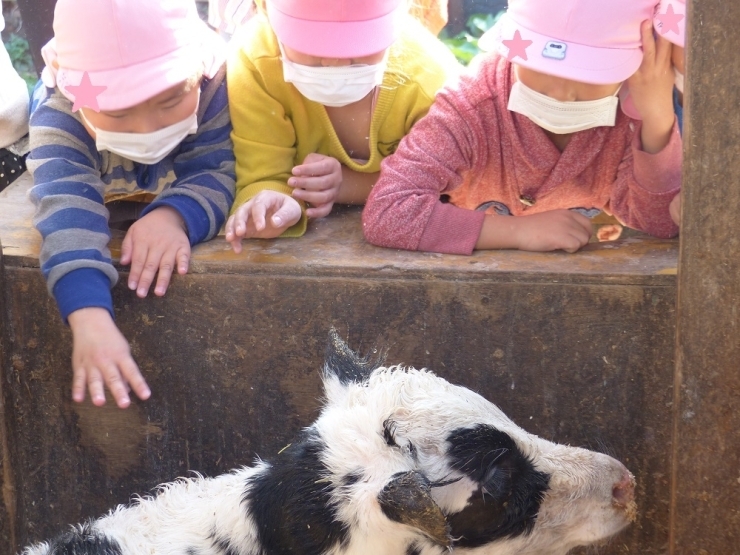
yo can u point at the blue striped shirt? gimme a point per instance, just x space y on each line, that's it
73 180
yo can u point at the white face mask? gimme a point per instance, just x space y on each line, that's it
562 117
678 80
334 86
144 148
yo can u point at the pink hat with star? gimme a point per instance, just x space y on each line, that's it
670 20
591 41
114 54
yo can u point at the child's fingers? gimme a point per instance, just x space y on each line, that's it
79 383
583 222
149 270
132 375
259 209
663 51
115 384
323 166
183 261
138 259
320 211
126 248
286 215
229 228
241 219
166 267
316 197
318 183
312 157
648 41
95 386
236 245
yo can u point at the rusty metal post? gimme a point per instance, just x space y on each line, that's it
705 500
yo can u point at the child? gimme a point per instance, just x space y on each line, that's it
13 118
322 91
535 132
135 112
670 22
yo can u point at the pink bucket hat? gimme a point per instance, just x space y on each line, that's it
114 54
336 28
592 41
670 21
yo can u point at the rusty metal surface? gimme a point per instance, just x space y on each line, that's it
335 246
706 474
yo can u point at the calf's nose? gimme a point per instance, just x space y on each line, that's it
623 492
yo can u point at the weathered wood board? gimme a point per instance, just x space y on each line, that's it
706 471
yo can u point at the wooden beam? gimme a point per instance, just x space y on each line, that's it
7 484
705 503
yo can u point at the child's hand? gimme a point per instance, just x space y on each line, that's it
266 215
552 230
675 209
100 355
317 182
651 89
155 243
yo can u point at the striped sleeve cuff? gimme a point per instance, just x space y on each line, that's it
83 288
196 219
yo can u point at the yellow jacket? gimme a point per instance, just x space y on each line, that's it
276 127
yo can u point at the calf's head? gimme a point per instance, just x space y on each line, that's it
402 461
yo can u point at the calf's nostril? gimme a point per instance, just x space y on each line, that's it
623 492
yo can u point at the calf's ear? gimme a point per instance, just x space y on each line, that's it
345 364
407 499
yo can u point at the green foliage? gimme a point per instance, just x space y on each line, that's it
464 45
20 56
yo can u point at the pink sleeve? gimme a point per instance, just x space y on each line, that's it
404 210
646 184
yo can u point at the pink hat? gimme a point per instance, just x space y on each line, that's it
592 41
114 54
670 20
336 28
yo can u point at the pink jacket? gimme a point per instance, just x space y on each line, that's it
471 148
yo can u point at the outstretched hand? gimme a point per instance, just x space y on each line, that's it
155 244
266 215
101 358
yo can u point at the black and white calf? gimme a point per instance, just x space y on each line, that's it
400 462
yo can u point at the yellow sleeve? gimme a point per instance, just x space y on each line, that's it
419 65
263 135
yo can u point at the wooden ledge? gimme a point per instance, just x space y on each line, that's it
334 246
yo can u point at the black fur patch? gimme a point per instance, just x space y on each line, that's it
352 478
84 541
510 489
389 432
291 502
223 545
347 365
413 549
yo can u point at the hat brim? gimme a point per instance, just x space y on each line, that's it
132 85
579 62
337 39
